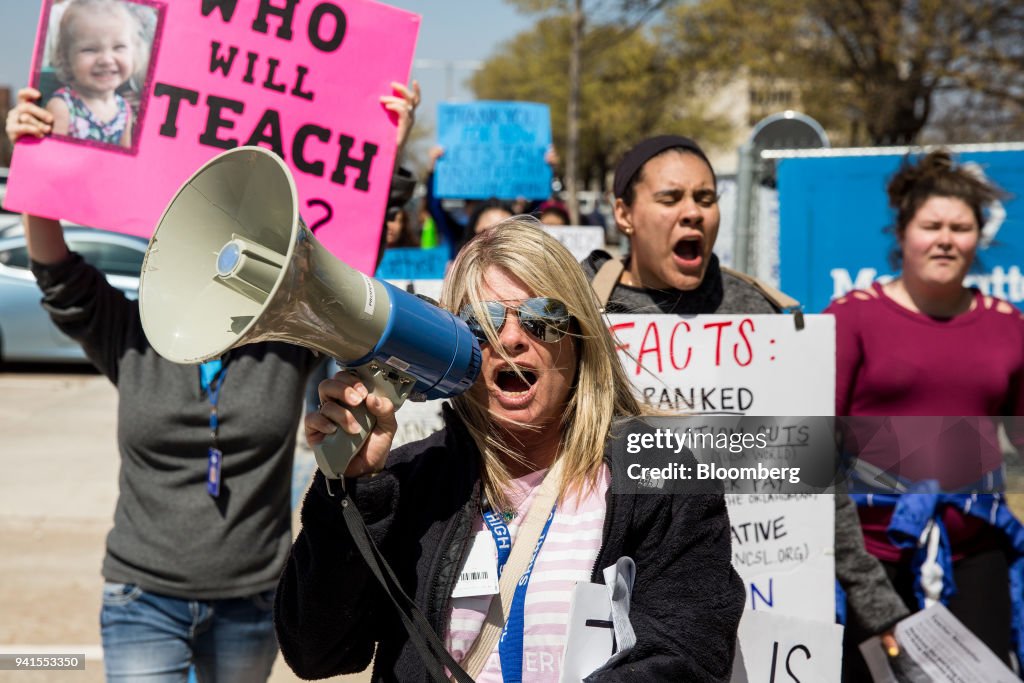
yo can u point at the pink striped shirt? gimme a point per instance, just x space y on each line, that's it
567 557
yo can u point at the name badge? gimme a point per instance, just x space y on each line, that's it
479 576
213 471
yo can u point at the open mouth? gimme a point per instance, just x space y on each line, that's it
688 251
511 382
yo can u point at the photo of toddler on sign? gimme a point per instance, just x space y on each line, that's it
93 67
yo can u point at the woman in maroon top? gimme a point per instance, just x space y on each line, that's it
925 345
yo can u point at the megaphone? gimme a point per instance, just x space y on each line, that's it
232 263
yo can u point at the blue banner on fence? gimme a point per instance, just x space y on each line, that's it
493 149
833 212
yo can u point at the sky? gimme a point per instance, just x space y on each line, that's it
454 34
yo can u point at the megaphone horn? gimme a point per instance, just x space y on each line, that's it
231 263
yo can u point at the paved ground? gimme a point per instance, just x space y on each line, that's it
58 475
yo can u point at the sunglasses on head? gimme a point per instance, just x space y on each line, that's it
544 318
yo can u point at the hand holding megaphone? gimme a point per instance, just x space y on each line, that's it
232 263
340 396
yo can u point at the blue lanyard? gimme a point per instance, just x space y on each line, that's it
502 537
211 378
209 371
510 646
213 385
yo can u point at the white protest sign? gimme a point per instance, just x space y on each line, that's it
778 649
782 548
730 364
580 240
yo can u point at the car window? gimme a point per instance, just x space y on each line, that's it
113 259
15 257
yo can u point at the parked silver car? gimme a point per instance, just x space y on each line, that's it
26 333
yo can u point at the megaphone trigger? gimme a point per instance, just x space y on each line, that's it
336 451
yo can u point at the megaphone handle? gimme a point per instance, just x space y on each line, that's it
334 453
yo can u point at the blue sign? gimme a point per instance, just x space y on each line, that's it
833 212
493 149
413 263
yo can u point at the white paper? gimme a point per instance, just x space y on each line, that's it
935 646
587 647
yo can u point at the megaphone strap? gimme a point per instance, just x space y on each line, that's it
432 651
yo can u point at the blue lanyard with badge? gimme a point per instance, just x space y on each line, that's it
510 645
211 379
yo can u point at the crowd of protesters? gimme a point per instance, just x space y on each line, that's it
541 424
944 363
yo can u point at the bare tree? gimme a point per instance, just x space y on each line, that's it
628 90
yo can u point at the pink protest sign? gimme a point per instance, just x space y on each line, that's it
183 81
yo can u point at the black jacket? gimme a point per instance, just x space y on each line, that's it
686 600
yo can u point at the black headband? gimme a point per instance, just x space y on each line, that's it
635 158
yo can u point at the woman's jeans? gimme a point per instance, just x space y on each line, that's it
156 638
